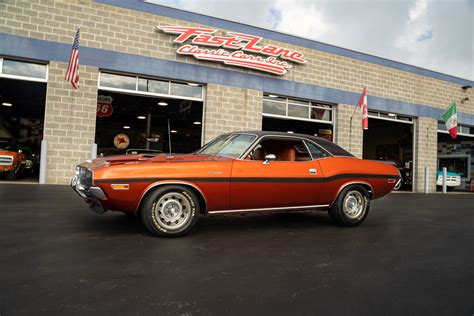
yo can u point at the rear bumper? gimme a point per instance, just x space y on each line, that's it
91 194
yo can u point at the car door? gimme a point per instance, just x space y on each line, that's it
281 183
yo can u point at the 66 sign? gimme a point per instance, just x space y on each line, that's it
104 106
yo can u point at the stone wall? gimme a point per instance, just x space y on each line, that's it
122 30
69 124
231 109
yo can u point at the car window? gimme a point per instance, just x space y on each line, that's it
284 149
316 152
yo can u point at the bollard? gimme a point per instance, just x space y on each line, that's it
427 180
93 151
445 175
43 161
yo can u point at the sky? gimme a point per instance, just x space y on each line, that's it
432 34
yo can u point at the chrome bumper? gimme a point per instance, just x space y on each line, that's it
91 194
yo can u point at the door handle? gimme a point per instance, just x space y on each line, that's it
312 171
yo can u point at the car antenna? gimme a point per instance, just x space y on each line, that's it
169 135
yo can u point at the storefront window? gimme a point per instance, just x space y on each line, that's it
297 109
321 114
276 108
149 87
23 69
153 86
118 81
185 90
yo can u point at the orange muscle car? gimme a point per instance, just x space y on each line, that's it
236 173
12 160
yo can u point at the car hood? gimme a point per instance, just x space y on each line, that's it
147 158
8 153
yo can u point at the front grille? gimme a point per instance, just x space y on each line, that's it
85 176
6 160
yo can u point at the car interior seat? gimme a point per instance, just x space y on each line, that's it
287 154
258 154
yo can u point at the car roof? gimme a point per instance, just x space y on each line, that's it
331 147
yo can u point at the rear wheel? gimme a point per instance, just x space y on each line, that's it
170 211
351 206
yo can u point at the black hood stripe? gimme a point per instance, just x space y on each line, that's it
355 176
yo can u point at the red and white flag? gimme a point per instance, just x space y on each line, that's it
363 104
72 73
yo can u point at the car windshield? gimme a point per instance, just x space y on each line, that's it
232 145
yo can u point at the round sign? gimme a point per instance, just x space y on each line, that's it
121 141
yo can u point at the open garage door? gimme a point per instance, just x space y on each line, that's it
22 105
457 155
133 115
290 115
390 138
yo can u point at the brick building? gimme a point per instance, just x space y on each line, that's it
133 82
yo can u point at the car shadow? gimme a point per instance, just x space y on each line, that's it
118 223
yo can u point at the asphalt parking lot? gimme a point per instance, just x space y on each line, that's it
414 255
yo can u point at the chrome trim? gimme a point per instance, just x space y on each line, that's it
306 207
6 160
159 183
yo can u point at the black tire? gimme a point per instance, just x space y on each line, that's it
340 215
12 175
176 214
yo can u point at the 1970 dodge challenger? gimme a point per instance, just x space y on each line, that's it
236 173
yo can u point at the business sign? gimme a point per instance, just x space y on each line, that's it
104 106
236 49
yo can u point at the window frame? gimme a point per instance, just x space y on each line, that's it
295 138
145 93
26 78
308 104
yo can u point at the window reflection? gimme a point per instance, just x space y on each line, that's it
118 81
274 108
185 90
25 69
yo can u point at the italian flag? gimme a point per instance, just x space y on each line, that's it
450 118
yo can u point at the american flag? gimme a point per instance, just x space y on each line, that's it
72 73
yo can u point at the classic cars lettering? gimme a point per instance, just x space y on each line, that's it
274 59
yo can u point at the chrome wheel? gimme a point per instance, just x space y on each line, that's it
172 210
354 204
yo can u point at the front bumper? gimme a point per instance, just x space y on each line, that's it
91 194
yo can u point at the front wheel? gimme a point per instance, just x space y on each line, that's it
351 206
170 211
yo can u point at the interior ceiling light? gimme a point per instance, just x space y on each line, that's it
173 131
162 103
197 123
6 104
141 117
126 127
193 84
290 132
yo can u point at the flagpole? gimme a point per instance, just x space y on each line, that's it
350 128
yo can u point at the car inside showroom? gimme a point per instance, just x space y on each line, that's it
22 107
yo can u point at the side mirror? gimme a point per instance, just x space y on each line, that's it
268 158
